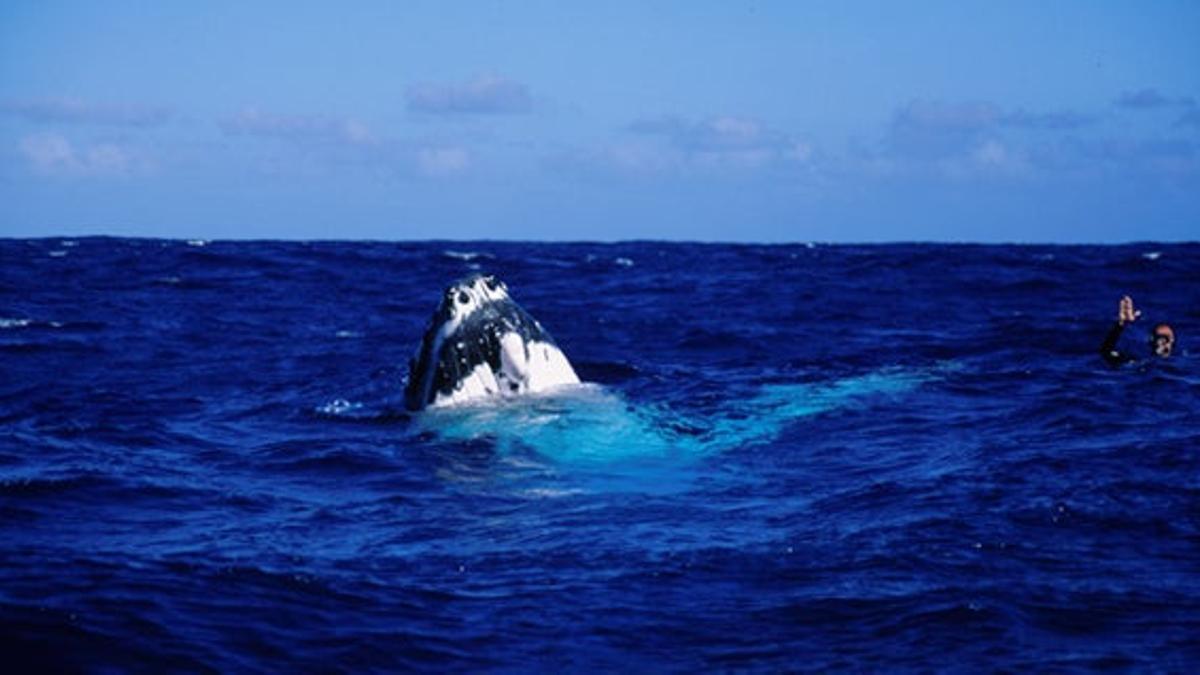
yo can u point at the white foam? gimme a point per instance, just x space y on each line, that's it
588 424
466 256
1152 255
623 262
338 407
14 323
58 254
552 262
550 493
197 242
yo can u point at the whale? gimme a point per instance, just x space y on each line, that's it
481 345
486 371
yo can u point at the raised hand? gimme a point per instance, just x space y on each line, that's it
1125 312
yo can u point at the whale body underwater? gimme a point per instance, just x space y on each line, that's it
485 369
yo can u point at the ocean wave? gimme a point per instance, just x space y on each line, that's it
467 256
876 456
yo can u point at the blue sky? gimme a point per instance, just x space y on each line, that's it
730 121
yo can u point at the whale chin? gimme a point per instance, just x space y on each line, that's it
480 345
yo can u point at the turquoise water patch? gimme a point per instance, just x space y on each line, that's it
591 425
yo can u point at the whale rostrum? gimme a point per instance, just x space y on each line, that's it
480 343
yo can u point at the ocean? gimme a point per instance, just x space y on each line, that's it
800 457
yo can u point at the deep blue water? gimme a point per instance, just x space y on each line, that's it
794 458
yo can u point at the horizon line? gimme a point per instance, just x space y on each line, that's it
703 242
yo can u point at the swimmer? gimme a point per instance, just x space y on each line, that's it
1162 338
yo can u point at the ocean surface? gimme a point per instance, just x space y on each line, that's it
798 458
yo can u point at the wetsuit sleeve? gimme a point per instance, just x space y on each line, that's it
1108 349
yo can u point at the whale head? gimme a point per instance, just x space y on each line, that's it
479 344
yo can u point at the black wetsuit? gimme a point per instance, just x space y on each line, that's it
1109 350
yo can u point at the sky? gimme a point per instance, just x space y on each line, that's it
715 121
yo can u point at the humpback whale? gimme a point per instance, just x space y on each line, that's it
481 344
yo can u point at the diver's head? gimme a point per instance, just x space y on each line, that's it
1162 340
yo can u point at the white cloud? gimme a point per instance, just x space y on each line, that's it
1150 98
1066 120
735 130
980 139
722 142
936 131
443 161
49 152
77 111
486 94
723 145
991 153
997 156
800 152
323 143
254 122
52 154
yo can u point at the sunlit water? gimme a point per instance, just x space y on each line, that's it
784 458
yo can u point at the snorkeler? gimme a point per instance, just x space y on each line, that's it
1162 338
